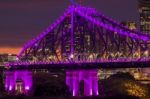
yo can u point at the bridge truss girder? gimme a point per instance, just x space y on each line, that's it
87 36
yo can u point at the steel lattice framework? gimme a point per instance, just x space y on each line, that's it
83 34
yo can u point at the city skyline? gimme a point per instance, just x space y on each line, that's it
22 20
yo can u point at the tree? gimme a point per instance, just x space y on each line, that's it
50 85
126 75
123 84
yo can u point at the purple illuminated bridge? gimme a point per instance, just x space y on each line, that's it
81 41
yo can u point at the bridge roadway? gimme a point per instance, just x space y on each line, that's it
119 63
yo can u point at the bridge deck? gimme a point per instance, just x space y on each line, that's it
82 65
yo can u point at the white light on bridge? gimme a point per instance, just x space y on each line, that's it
71 56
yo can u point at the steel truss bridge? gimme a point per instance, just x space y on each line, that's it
81 38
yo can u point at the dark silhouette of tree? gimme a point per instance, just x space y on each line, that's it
123 84
126 75
50 85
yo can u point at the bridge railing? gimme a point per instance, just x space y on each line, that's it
119 60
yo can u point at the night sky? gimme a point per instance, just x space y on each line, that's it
22 20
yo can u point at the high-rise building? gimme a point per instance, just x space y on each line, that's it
144 10
130 25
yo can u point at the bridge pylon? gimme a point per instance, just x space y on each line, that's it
90 82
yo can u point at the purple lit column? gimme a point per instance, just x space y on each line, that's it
9 81
13 76
69 80
75 83
95 83
87 83
89 77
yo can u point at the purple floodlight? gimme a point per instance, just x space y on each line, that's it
27 88
10 87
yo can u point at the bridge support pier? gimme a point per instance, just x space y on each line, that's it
90 79
18 82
